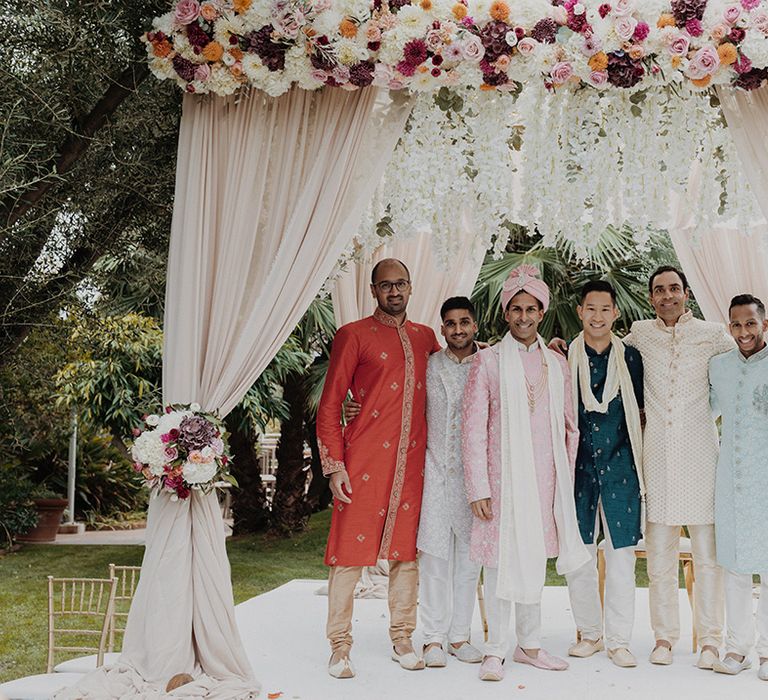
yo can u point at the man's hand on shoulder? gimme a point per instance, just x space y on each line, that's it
339 483
559 345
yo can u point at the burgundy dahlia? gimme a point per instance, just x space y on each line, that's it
683 10
623 72
544 31
197 37
271 53
577 23
415 52
395 5
737 35
361 74
604 9
751 80
185 68
322 61
494 38
495 79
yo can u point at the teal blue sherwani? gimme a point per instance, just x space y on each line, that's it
739 393
605 467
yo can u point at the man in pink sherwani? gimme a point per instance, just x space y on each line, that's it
519 444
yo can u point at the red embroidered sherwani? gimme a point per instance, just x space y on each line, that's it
385 366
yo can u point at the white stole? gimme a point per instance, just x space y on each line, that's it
522 552
617 378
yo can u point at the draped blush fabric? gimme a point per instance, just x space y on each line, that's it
351 293
746 113
269 191
721 263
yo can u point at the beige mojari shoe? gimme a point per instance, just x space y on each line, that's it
622 657
410 661
661 656
586 647
343 668
707 660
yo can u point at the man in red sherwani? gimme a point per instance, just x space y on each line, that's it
376 462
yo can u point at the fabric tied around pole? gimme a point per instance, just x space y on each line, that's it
269 192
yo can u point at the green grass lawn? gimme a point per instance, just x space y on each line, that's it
259 564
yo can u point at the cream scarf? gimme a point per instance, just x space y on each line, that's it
522 554
618 378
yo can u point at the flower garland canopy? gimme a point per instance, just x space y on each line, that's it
217 46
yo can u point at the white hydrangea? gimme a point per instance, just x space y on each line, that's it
198 473
149 449
169 421
755 46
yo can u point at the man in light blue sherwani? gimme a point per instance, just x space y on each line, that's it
739 393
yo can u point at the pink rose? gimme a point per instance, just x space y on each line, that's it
171 453
732 13
202 72
704 62
433 40
321 75
598 78
719 31
625 27
559 14
561 72
473 48
591 46
289 23
749 5
760 22
527 46
623 8
187 11
678 45
372 33
209 11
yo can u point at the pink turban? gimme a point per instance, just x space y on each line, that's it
525 278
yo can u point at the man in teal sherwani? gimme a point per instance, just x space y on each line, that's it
607 379
739 393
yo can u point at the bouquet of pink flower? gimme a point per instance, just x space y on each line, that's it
181 449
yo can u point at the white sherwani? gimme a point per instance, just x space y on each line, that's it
680 441
448 577
444 505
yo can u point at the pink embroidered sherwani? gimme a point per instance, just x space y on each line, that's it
481 447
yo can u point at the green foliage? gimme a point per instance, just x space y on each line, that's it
17 513
616 258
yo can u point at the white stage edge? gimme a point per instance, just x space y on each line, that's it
284 636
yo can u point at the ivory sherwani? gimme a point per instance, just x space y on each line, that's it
680 441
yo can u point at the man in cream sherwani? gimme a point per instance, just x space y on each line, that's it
679 460
448 578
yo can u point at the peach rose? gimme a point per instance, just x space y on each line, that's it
636 52
209 11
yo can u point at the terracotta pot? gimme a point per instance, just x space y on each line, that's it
49 511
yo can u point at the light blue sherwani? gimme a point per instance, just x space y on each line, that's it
739 393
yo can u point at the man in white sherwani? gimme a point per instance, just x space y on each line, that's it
679 461
448 576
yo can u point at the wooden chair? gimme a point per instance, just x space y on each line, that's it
127 579
79 612
481 604
686 558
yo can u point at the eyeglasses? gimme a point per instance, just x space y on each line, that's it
386 286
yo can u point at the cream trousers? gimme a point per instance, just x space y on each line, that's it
499 612
447 590
740 617
584 593
663 546
403 594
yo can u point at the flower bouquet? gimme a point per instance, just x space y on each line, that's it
182 449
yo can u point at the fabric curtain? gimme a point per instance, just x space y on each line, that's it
432 285
721 263
269 191
746 113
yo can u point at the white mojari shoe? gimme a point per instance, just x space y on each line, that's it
622 657
410 661
707 660
466 653
343 668
586 647
731 666
762 672
435 657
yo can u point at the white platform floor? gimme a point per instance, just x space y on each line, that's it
284 635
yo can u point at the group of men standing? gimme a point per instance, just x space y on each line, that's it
503 457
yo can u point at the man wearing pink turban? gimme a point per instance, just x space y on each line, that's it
519 444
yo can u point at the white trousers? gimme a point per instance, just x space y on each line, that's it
447 589
740 617
499 612
584 592
663 546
